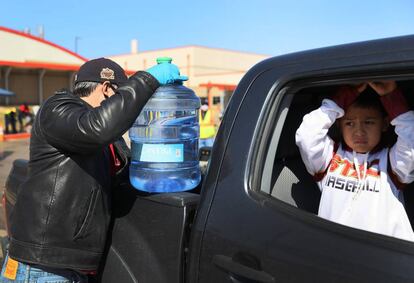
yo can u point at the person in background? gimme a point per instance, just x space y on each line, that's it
207 128
10 121
361 177
59 224
24 116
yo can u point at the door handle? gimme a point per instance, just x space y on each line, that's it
228 264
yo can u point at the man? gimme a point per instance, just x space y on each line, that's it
59 223
10 118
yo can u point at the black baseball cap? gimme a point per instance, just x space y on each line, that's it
101 70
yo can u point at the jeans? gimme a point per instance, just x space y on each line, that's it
31 274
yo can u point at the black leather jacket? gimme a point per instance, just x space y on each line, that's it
62 212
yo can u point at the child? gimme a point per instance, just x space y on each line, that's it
359 177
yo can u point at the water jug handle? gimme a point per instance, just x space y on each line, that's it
161 60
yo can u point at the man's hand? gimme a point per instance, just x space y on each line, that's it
167 73
383 87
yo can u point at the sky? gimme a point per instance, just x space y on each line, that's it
96 28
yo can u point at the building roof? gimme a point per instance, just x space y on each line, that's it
203 65
22 50
184 47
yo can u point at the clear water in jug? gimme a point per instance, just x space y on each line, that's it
164 142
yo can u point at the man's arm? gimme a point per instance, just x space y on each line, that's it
70 126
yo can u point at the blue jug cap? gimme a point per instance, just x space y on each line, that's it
161 60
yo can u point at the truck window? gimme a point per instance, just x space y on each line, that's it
285 177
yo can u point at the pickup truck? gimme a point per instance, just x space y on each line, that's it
254 217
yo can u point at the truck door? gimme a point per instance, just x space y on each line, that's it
258 221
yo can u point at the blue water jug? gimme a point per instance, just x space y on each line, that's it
164 142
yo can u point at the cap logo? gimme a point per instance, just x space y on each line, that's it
107 74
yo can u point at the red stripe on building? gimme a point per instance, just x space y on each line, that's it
40 65
42 41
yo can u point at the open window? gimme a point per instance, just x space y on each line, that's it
283 175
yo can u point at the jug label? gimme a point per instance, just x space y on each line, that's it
162 153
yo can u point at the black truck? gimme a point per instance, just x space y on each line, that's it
254 217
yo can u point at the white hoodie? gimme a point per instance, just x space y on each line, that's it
361 196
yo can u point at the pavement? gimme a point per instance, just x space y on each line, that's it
10 150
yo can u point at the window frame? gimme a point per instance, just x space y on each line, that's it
282 96
278 98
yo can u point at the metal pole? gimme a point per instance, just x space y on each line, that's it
187 83
40 85
6 81
71 80
76 44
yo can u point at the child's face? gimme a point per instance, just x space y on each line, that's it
362 128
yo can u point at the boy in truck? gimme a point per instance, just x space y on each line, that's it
360 177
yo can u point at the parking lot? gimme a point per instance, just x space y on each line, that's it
9 151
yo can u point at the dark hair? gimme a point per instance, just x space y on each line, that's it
84 89
370 99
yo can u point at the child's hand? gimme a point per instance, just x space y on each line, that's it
360 87
347 94
383 87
